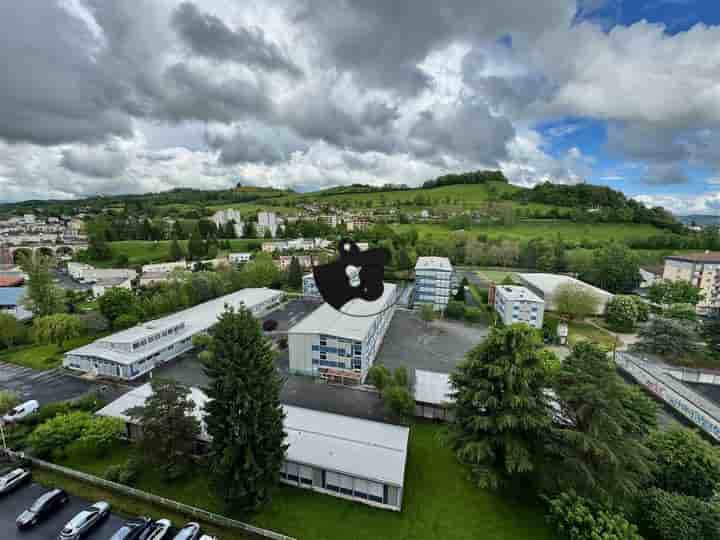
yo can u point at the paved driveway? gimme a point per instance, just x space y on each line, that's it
13 504
45 386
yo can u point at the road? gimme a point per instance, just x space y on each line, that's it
13 504
45 386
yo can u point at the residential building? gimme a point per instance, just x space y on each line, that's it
268 221
343 345
546 286
11 302
310 287
434 282
351 458
283 262
702 270
357 223
296 244
519 305
239 258
328 219
138 350
222 217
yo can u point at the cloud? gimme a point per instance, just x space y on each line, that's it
705 203
665 175
94 162
207 35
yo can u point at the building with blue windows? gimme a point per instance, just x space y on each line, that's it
434 282
310 289
519 305
341 346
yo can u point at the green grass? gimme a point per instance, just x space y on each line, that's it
440 501
568 231
43 357
498 276
583 331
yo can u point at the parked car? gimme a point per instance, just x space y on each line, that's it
22 411
85 521
131 530
44 506
269 325
190 531
208 537
157 531
13 479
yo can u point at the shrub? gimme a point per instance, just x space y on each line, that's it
455 309
622 312
125 473
473 314
577 518
549 330
671 516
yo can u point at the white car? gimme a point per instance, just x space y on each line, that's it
208 537
85 521
159 530
22 411
13 479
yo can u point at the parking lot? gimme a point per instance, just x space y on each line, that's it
438 346
13 504
45 386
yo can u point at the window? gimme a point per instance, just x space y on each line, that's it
323 356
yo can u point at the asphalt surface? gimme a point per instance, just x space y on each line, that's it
292 313
13 504
45 386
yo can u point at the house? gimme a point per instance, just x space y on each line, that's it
341 345
239 258
350 458
701 270
138 350
283 262
434 282
546 287
519 305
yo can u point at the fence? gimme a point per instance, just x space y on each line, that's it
697 409
197 513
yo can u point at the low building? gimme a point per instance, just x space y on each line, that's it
149 279
101 286
133 352
519 305
239 258
283 262
11 302
84 273
164 267
351 458
341 346
310 289
432 395
546 287
434 282
701 270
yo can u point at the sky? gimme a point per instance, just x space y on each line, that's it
110 97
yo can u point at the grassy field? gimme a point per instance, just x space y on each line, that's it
148 251
498 276
439 502
43 357
583 331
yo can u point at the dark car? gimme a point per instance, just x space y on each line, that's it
189 532
269 325
85 521
13 479
45 505
133 529
160 530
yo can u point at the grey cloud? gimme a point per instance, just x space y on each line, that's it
207 35
640 141
95 162
665 174
256 143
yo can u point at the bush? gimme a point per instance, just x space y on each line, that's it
671 516
622 312
577 518
473 314
455 309
126 473
549 330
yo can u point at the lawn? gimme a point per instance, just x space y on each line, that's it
439 502
43 357
583 331
498 276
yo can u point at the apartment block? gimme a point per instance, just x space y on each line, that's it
434 282
519 305
702 270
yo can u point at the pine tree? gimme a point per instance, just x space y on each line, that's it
177 253
244 417
196 246
295 274
501 410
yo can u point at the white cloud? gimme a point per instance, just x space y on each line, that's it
705 203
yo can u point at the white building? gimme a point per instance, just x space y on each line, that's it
296 244
519 305
432 394
223 217
268 221
341 346
310 287
434 282
164 267
239 258
701 270
136 351
101 286
546 287
85 273
351 458
11 302
305 261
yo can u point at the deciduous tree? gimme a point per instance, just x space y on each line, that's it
43 297
57 328
668 337
574 300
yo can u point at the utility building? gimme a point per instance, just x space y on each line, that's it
138 350
434 282
341 346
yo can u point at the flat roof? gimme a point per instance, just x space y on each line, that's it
433 263
11 296
712 257
327 320
515 292
432 387
196 319
362 448
548 283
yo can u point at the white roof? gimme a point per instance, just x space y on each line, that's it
433 263
513 293
432 387
548 283
361 448
327 320
196 319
